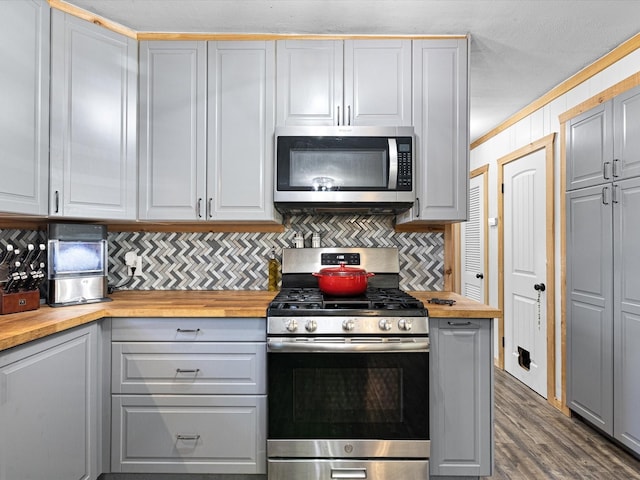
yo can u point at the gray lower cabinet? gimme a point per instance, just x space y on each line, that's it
24 116
93 160
49 408
603 308
461 397
188 395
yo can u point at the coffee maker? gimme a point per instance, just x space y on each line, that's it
78 262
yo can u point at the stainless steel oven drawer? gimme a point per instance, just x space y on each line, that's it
287 469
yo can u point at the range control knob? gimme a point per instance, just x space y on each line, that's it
311 326
405 324
384 324
348 325
291 325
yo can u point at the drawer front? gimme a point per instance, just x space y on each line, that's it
189 434
188 368
189 329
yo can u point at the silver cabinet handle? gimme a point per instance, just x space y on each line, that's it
187 330
614 194
210 207
199 208
349 115
338 115
187 370
605 190
348 473
459 324
616 162
57 201
416 207
180 436
605 169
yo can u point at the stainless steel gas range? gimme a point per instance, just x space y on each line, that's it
348 377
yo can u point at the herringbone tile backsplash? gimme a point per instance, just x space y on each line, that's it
238 261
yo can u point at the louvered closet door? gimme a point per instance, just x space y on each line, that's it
473 244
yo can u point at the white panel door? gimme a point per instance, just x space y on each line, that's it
472 234
525 270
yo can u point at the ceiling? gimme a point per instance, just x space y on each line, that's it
520 49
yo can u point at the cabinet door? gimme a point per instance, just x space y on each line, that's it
590 147
93 120
377 82
627 314
241 101
48 408
172 130
589 305
189 434
441 121
626 129
309 82
24 116
461 397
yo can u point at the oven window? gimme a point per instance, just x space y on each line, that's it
349 396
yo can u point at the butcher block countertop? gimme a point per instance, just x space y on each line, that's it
19 328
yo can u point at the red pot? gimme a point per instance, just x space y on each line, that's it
343 281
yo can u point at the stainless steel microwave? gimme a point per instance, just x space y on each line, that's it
344 169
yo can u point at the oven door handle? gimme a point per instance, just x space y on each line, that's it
288 346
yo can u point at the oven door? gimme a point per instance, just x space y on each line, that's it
358 398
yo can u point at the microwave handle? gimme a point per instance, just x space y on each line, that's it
393 164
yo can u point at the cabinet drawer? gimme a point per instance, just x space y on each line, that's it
189 434
181 367
189 329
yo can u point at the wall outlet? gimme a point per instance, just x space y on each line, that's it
131 259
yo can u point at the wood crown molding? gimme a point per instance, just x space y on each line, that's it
586 73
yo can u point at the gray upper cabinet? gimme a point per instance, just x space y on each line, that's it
49 408
350 82
93 160
626 118
603 144
24 116
441 121
461 397
241 83
589 147
172 130
206 116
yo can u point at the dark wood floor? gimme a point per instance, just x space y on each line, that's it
534 441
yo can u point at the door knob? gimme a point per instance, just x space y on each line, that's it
541 287
479 275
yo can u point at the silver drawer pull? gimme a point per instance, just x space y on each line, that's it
188 330
348 473
459 324
187 437
187 370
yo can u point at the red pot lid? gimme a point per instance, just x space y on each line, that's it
342 271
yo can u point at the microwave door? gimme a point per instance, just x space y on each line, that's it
393 164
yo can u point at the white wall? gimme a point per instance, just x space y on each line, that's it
537 125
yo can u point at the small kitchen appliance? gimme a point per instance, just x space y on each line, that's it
348 375
77 266
344 169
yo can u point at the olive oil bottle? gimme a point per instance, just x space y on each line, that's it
274 271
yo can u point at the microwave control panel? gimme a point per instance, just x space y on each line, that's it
404 164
